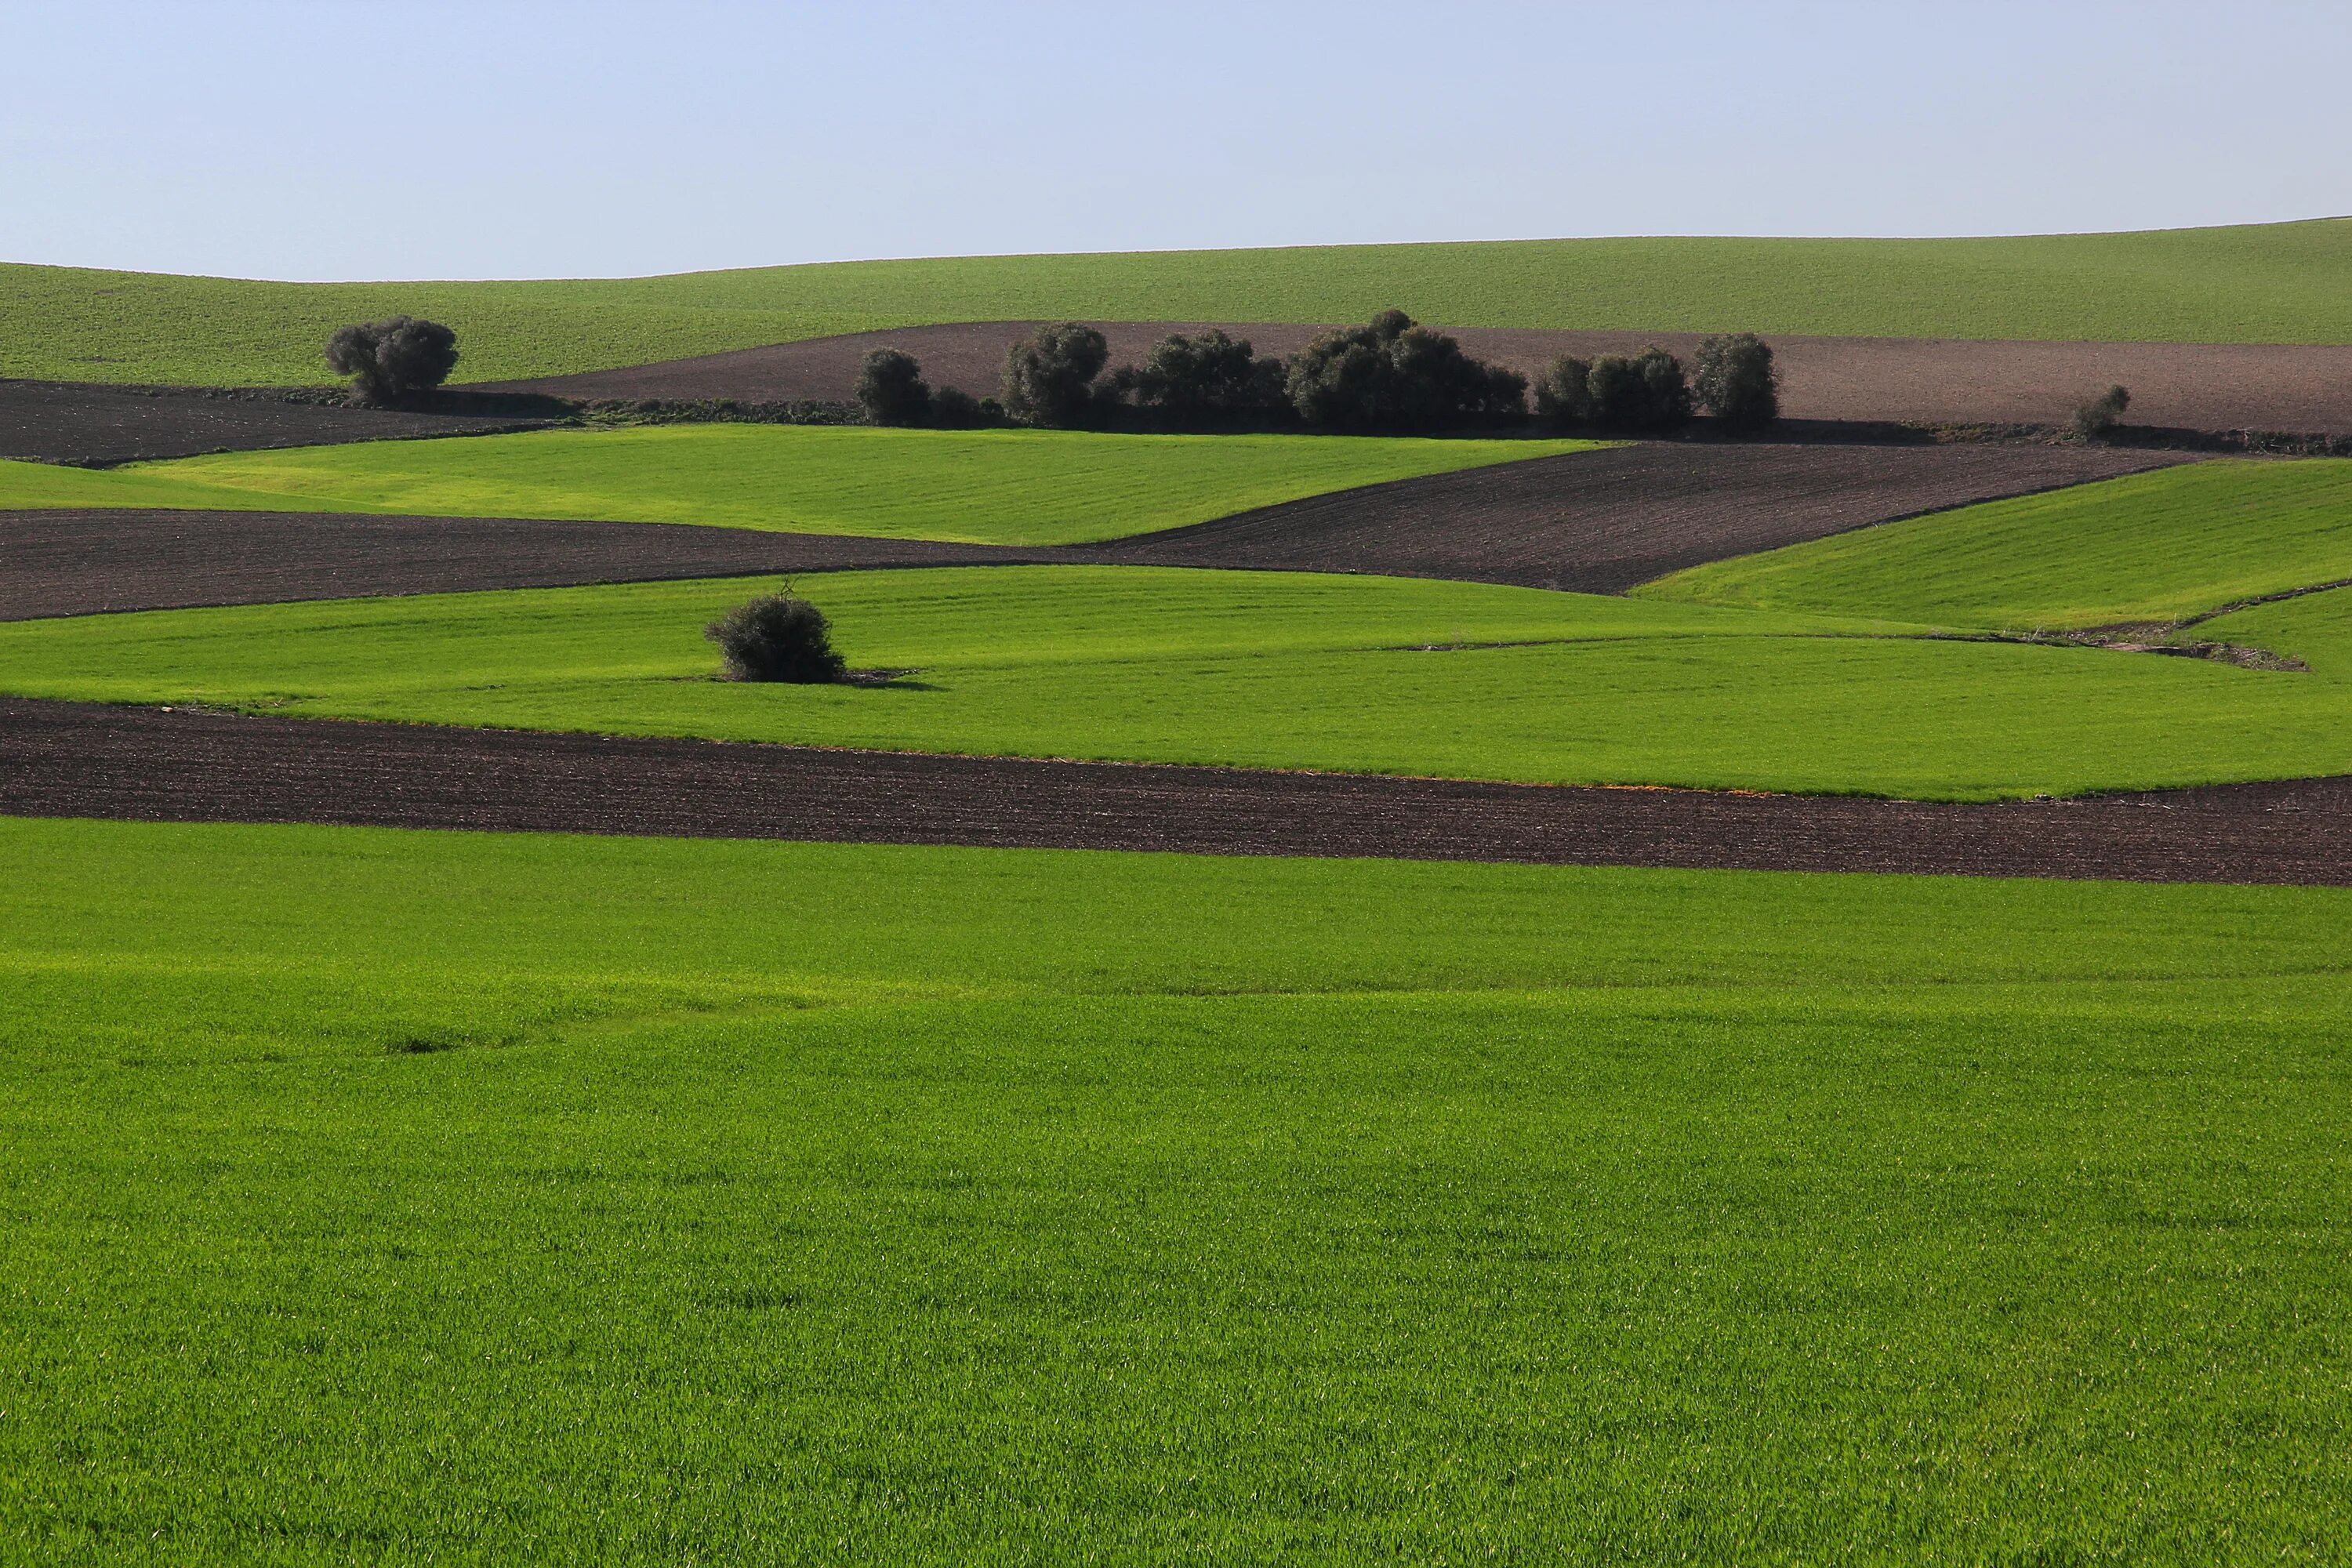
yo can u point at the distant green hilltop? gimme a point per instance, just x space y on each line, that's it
2269 283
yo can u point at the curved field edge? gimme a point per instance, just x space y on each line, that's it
994 487
1254 669
2254 284
2162 546
1994 1210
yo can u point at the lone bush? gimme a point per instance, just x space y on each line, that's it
1735 381
1205 377
1390 375
1647 392
953 408
1564 391
777 637
394 360
2103 415
1049 376
891 389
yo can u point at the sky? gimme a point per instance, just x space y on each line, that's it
404 139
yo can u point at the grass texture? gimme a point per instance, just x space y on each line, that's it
476 1199
993 486
2150 547
2257 283
1263 669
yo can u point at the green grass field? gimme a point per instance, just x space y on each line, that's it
2152 547
1266 669
2260 283
480 1199
993 486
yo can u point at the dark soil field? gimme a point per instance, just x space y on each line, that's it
2193 387
150 765
69 422
1595 521
1600 522
82 562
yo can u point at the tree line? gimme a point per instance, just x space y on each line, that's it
1391 375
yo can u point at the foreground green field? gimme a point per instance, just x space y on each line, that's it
2257 283
993 486
476 1199
2152 547
1266 670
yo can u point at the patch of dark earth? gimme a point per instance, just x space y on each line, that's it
1591 521
1921 381
72 760
96 425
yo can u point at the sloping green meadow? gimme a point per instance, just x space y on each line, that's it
2150 547
2257 283
1263 669
992 486
408 1197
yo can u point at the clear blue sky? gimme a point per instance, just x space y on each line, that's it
507 138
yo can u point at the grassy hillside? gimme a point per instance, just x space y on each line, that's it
481 1199
994 487
2265 283
2156 546
1255 670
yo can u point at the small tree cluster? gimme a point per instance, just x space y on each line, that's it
394 360
2103 415
1616 391
891 390
1049 376
1735 381
1205 378
777 637
1391 374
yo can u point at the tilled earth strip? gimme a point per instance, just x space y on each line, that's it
70 422
150 765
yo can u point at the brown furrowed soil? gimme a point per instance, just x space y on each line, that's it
149 764
1591 521
83 562
1600 522
1935 381
68 422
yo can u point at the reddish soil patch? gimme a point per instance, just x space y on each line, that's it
88 562
69 422
145 764
1600 522
2195 386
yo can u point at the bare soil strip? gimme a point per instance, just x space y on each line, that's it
1600 522
69 421
2194 386
146 765
82 562
1593 522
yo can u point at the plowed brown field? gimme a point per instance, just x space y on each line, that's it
2195 386
145 764
67 422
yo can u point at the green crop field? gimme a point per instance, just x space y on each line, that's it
993 486
2258 283
2152 547
483 1199
1267 669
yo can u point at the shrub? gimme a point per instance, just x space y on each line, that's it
1564 391
890 389
1208 376
392 359
1390 375
1049 376
2103 415
1735 381
777 637
953 408
1647 392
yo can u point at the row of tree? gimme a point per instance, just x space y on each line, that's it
1390 375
